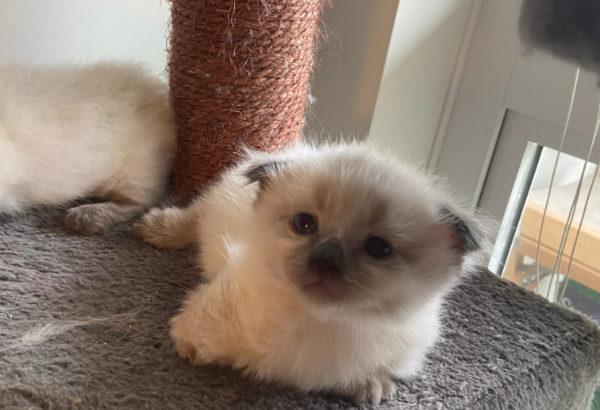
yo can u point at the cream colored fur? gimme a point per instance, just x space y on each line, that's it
67 132
256 313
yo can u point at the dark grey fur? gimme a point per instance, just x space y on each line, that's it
502 348
569 29
466 239
261 172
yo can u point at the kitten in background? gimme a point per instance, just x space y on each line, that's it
67 132
326 267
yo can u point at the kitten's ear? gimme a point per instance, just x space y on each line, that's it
463 237
263 172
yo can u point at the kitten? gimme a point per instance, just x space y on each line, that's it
326 266
68 132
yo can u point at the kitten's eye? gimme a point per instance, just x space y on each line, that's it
305 223
377 247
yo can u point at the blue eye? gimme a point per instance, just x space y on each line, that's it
305 224
377 247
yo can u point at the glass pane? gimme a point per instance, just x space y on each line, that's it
517 250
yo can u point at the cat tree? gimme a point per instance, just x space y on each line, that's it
239 74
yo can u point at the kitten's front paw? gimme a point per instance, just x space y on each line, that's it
372 390
186 350
181 335
88 219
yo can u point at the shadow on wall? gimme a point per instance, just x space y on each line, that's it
349 65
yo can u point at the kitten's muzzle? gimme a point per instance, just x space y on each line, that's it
327 258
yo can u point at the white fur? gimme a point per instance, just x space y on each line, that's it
68 132
253 315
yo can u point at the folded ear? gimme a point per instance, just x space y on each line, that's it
464 239
263 172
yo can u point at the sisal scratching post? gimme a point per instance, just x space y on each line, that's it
239 73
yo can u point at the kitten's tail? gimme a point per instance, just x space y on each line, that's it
169 227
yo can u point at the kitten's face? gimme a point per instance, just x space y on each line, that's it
350 232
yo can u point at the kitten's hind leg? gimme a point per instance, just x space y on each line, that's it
97 218
169 227
123 200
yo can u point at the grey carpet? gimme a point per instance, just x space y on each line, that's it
503 348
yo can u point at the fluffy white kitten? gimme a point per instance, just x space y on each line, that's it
68 132
326 266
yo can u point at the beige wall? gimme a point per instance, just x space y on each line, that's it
349 64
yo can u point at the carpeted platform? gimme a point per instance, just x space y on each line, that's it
503 348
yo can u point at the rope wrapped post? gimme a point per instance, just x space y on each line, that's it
239 73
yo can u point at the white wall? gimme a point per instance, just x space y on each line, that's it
54 31
422 61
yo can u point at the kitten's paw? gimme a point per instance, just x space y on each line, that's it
186 350
373 390
164 228
88 219
180 336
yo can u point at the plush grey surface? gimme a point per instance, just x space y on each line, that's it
502 348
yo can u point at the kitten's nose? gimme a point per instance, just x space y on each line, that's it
327 258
